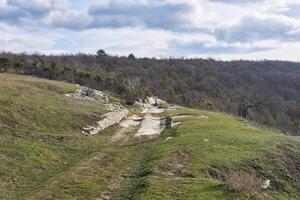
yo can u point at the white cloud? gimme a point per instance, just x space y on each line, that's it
229 29
17 40
74 20
255 28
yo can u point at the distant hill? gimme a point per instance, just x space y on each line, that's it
267 92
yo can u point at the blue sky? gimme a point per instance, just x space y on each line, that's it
221 29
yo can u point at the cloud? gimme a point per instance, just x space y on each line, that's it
255 28
201 47
73 20
11 14
236 1
31 7
165 14
17 40
152 27
18 12
292 10
157 15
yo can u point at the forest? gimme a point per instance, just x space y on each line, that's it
267 92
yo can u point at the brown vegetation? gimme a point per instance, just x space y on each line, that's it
243 182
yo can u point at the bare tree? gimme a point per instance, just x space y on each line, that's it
249 102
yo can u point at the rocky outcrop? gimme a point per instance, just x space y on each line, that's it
89 94
109 119
116 114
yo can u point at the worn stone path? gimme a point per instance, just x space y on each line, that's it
151 125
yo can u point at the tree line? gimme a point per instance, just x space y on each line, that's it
267 92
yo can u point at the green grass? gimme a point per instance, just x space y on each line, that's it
41 132
38 105
233 145
44 155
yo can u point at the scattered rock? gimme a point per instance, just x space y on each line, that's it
205 140
89 94
204 117
150 106
173 107
104 196
178 117
266 184
168 138
175 124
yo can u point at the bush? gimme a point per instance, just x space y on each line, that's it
243 182
163 105
168 121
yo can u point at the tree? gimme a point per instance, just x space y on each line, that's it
131 56
101 53
4 62
249 103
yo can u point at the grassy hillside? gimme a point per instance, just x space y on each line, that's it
41 132
204 153
43 154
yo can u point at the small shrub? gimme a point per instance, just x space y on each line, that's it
163 105
168 121
243 182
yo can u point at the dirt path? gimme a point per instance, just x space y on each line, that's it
117 170
126 126
151 125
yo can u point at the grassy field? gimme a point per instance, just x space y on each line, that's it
43 154
204 152
41 133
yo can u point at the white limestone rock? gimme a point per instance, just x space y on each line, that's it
266 184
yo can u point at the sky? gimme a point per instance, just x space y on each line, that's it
219 29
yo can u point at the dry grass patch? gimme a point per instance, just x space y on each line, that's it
244 182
